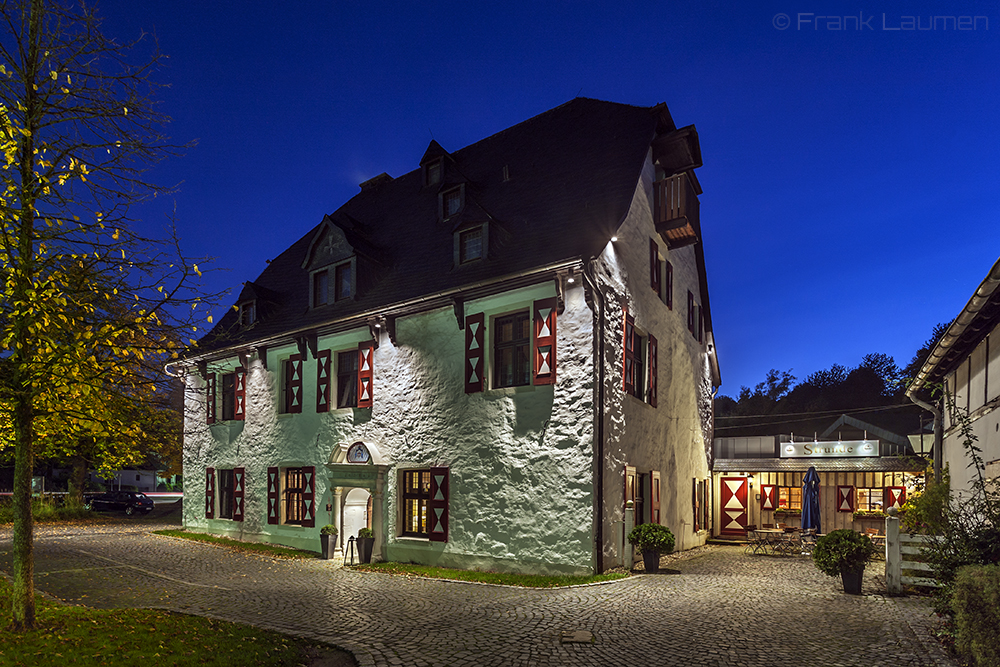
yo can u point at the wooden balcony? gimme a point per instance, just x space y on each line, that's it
675 210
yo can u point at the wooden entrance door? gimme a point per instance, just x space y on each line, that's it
733 505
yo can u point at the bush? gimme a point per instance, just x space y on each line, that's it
925 511
328 529
842 551
976 601
652 537
366 532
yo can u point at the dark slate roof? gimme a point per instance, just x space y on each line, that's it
872 464
572 173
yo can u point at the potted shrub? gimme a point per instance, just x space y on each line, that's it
366 540
328 540
653 540
846 553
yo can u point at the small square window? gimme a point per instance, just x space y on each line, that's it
342 282
452 202
321 288
470 245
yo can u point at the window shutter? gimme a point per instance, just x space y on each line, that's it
273 515
654 266
628 357
654 496
845 498
695 509
544 368
691 317
210 493
309 496
475 336
240 395
323 382
239 479
437 506
895 496
210 398
768 497
652 370
366 371
669 287
293 384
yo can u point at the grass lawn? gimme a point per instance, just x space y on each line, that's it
237 545
523 580
82 636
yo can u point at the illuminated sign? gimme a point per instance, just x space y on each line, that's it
358 453
842 448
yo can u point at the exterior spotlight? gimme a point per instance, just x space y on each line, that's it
571 280
614 239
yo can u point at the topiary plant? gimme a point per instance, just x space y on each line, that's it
366 532
328 529
843 551
652 537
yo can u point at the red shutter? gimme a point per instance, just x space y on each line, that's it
210 493
694 503
323 383
654 266
768 497
240 397
845 498
628 356
652 370
366 371
475 336
293 384
210 398
895 496
273 514
437 506
544 368
670 285
309 496
239 480
654 496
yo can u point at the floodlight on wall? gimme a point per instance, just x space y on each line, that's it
614 239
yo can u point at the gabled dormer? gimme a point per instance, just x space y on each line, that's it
432 164
252 304
338 259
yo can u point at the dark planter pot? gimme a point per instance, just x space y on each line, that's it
852 581
329 544
365 545
651 561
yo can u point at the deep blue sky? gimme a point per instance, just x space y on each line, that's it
851 180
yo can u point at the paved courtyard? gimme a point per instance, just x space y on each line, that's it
724 608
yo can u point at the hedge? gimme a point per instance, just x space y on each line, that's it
976 601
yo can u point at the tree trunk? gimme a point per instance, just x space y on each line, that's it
77 480
23 598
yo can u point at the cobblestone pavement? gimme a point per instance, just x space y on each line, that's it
724 608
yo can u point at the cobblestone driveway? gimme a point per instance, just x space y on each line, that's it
725 608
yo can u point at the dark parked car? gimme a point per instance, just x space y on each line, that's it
130 502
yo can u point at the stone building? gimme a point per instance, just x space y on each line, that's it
481 359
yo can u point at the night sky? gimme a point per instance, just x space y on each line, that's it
851 180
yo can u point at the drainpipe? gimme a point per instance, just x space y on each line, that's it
938 433
598 307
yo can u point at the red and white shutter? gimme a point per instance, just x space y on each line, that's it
293 386
323 381
654 266
895 496
654 496
210 493
628 356
210 398
309 496
273 509
768 497
652 370
437 506
544 368
240 395
845 498
669 286
475 337
366 372
239 481
695 507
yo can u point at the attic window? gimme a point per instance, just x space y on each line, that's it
451 203
342 276
321 288
432 172
470 245
248 313
342 281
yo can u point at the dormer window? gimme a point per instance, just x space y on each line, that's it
321 288
342 281
248 313
470 245
432 172
452 202
342 277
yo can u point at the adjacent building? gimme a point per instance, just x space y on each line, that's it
490 360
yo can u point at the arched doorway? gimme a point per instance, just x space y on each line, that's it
357 479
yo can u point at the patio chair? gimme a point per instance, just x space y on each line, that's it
807 541
753 540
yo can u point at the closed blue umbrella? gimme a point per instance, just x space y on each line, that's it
810 500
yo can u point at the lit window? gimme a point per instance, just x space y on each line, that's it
321 287
342 282
470 245
416 493
511 348
292 495
789 498
870 500
347 379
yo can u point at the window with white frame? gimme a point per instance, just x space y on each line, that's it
869 500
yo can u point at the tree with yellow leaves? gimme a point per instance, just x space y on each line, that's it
91 309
